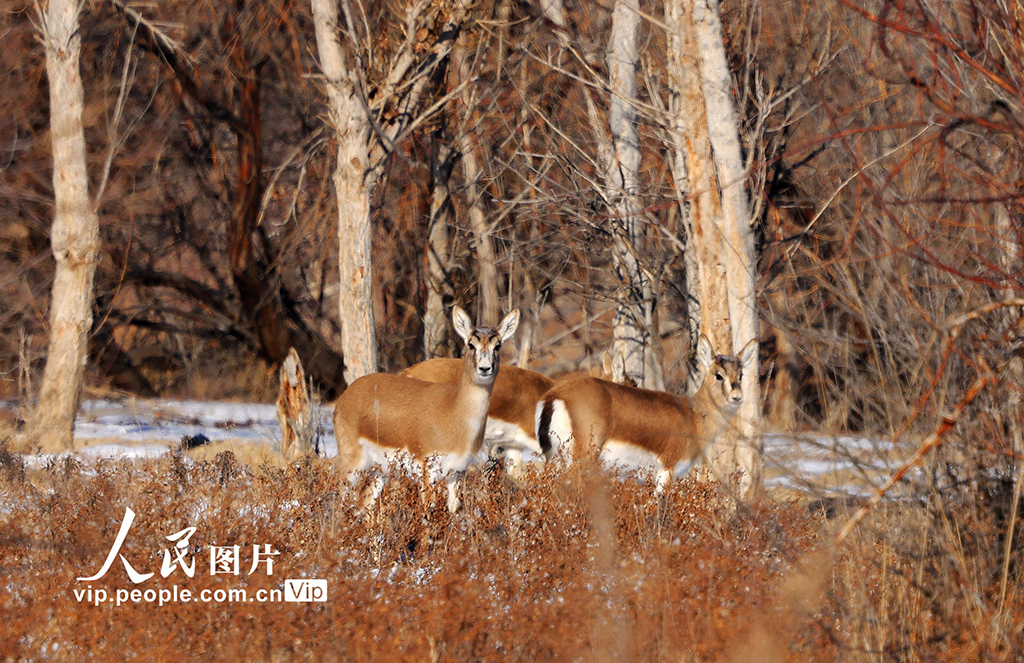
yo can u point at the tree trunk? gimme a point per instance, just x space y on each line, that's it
258 297
293 410
352 129
268 310
720 243
689 158
439 290
74 238
634 318
737 242
489 306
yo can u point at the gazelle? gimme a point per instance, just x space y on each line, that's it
381 416
589 418
511 421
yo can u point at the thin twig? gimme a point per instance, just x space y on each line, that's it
113 140
933 440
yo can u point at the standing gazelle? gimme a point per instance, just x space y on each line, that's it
511 421
590 418
380 416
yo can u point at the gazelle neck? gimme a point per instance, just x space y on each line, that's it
473 399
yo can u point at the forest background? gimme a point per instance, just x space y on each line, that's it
880 147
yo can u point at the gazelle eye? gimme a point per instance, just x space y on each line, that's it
719 377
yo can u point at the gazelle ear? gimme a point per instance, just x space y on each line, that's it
701 363
748 354
508 325
463 324
705 354
618 371
606 363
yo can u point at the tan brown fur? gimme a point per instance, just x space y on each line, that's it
513 399
672 428
380 413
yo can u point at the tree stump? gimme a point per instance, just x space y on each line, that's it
293 409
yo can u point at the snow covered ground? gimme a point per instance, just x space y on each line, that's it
140 424
135 428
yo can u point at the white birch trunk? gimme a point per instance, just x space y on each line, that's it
737 248
74 237
635 322
721 263
352 129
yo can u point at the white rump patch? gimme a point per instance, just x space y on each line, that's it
559 430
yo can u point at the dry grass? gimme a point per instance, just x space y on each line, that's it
557 567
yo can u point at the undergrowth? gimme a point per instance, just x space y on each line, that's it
556 566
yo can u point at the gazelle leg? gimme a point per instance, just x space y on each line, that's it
664 479
373 492
514 463
425 484
454 502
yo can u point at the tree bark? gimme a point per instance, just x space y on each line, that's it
269 312
737 243
489 306
352 130
709 175
293 410
634 323
74 237
252 282
439 291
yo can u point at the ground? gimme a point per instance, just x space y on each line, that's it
580 565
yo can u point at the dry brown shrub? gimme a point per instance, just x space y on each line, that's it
561 565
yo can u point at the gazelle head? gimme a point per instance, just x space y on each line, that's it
483 344
719 376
